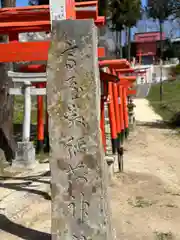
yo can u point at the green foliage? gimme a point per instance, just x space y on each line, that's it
175 70
124 13
8 3
169 108
103 7
162 9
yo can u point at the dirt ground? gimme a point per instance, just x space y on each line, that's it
145 199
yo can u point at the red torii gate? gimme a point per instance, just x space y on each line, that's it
17 20
117 92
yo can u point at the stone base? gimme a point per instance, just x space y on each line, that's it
116 164
25 155
110 161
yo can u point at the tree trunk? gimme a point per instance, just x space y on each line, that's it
126 32
129 44
117 49
8 3
120 44
161 67
7 143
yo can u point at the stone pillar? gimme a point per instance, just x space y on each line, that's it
80 206
25 152
27 112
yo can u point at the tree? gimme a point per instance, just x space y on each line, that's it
7 143
125 14
132 12
103 7
161 10
8 3
117 23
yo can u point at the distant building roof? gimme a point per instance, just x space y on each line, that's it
148 37
146 32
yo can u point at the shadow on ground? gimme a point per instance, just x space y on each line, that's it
157 124
26 182
20 231
34 178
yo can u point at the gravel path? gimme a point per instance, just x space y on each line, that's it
25 205
146 197
144 113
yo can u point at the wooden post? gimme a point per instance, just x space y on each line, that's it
40 122
80 206
125 109
121 112
46 138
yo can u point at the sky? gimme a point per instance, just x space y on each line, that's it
20 3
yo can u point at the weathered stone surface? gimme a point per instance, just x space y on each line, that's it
25 155
80 209
7 143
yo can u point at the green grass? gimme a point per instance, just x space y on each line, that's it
18 110
169 108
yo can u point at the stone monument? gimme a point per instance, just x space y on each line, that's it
80 207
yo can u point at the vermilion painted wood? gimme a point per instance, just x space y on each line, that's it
122 71
34 68
13 37
125 109
115 63
108 77
18 27
28 51
131 92
39 26
74 10
70 9
128 78
101 52
87 4
20 16
100 21
85 14
40 117
24 24
23 29
121 107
